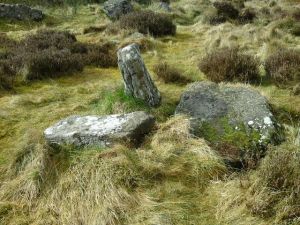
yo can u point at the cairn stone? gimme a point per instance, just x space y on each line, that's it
137 79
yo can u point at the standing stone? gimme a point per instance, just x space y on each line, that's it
137 80
114 9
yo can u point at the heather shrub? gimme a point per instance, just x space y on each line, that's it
247 15
296 14
6 75
230 64
226 10
50 53
94 29
169 74
50 63
148 22
234 11
101 55
45 39
283 67
6 42
275 191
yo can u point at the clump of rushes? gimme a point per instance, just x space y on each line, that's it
169 74
230 64
148 22
283 67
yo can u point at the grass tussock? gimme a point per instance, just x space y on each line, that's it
275 192
283 67
148 22
230 64
115 186
169 74
27 172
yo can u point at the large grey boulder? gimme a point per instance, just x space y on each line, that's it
229 114
137 79
100 130
114 9
20 12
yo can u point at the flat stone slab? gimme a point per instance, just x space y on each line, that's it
102 131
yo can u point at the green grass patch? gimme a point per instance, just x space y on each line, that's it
116 101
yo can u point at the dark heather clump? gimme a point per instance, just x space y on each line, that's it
226 10
6 75
50 53
247 15
148 22
230 64
283 67
169 74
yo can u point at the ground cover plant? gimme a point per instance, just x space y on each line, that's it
230 64
283 67
148 22
169 74
50 53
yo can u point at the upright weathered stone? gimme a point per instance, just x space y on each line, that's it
114 9
100 130
137 80
20 12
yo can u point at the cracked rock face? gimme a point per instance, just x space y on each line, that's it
20 12
207 102
100 131
137 80
114 9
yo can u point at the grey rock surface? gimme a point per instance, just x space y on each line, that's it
165 6
137 79
100 130
20 12
207 102
114 9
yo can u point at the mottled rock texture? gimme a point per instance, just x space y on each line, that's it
230 116
100 130
137 79
114 9
20 12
